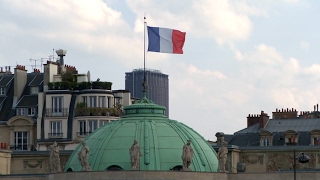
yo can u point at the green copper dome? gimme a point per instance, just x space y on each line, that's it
160 139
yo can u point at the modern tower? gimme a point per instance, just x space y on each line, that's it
157 86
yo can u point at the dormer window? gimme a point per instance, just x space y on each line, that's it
291 138
266 142
26 111
315 137
34 90
265 138
2 91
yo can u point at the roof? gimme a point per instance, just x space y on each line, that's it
2 99
5 79
248 139
251 129
36 79
299 125
28 101
161 141
250 136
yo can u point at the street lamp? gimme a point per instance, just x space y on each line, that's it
302 158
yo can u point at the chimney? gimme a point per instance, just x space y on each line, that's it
20 81
61 53
264 118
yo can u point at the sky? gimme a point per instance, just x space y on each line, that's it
240 56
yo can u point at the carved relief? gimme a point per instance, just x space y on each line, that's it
281 161
253 159
32 164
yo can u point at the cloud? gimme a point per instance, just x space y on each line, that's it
93 25
223 20
291 1
304 45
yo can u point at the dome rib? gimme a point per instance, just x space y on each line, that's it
155 145
106 136
185 136
146 143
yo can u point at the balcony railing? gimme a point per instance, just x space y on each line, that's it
57 112
55 135
21 147
97 111
83 133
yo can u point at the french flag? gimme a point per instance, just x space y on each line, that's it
165 40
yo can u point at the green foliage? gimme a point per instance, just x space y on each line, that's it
67 76
64 85
81 105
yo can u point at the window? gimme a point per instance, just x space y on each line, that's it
92 125
31 111
108 102
117 100
103 122
93 101
2 91
266 142
21 141
21 111
26 111
57 104
55 129
34 90
82 128
315 141
291 139
84 100
102 100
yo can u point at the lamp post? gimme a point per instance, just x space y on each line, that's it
302 158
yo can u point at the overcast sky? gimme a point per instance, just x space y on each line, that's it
240 57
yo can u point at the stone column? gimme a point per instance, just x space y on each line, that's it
30 137
11 136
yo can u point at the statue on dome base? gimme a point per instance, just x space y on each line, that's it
135 155
54 158
83 157
222 156
187 155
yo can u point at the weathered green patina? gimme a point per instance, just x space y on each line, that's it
160 140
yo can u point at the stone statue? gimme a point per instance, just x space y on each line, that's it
83 157
187 155
54 158
222 156
135 155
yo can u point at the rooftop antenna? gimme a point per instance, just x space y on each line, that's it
35 62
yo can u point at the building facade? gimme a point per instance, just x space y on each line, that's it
58 104
157 86
269 144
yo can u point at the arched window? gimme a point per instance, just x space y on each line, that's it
114 168
69 170
177 168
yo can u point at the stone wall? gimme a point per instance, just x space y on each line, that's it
33 163
154 175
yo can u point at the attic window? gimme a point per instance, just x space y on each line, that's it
34 90
266 142
2 91
315 137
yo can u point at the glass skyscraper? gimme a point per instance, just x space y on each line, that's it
157 86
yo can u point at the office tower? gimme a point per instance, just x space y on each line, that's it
157 86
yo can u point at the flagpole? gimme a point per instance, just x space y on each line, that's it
144 84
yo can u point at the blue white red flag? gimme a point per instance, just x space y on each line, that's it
165 40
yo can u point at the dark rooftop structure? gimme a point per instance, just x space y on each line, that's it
286 128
